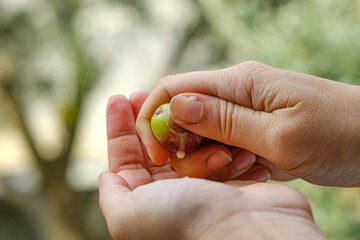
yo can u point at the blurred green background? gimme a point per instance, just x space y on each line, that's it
61 60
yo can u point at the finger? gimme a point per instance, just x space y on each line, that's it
243 160
223 121
156 172
124 149
257 173
137 99
275 172
240 183
123 143
235 150
204 161
112 190
232 84
158 154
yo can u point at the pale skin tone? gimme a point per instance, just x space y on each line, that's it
297 126
137 205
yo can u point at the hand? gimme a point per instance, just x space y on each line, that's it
297 124
128 156
201 209
212 161
136 206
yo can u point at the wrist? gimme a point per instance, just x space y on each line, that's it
355 95
351 135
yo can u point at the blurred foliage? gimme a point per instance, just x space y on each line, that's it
315 37
11 219
336 210
46 57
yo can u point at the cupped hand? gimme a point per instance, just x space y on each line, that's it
298 125
129 158
137 206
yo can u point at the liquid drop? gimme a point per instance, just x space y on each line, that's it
180 154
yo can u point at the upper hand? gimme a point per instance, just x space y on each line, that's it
298 125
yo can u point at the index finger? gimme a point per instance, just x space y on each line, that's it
123 144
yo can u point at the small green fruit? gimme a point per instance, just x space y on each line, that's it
171 136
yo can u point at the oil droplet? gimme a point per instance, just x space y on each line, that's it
180 154
181 149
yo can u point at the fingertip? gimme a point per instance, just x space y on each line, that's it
218 160
157 154
257 173
138 94
241 163
113 102
243 160
137 99
239 183
115 98
186 108
202 162
117 95
119 117
235 150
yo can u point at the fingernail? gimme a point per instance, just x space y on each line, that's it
243 160
186 109
217 160
149 155
151 158
260 175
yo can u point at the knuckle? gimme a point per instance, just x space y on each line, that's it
226 120
251 65
162 81
242 76
282 137
250 70
165 80
164 84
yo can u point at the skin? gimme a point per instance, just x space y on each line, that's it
297 125
141 200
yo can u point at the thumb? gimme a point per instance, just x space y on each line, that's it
112 191
224 121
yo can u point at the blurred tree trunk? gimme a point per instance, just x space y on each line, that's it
60 212
61 204
60 209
